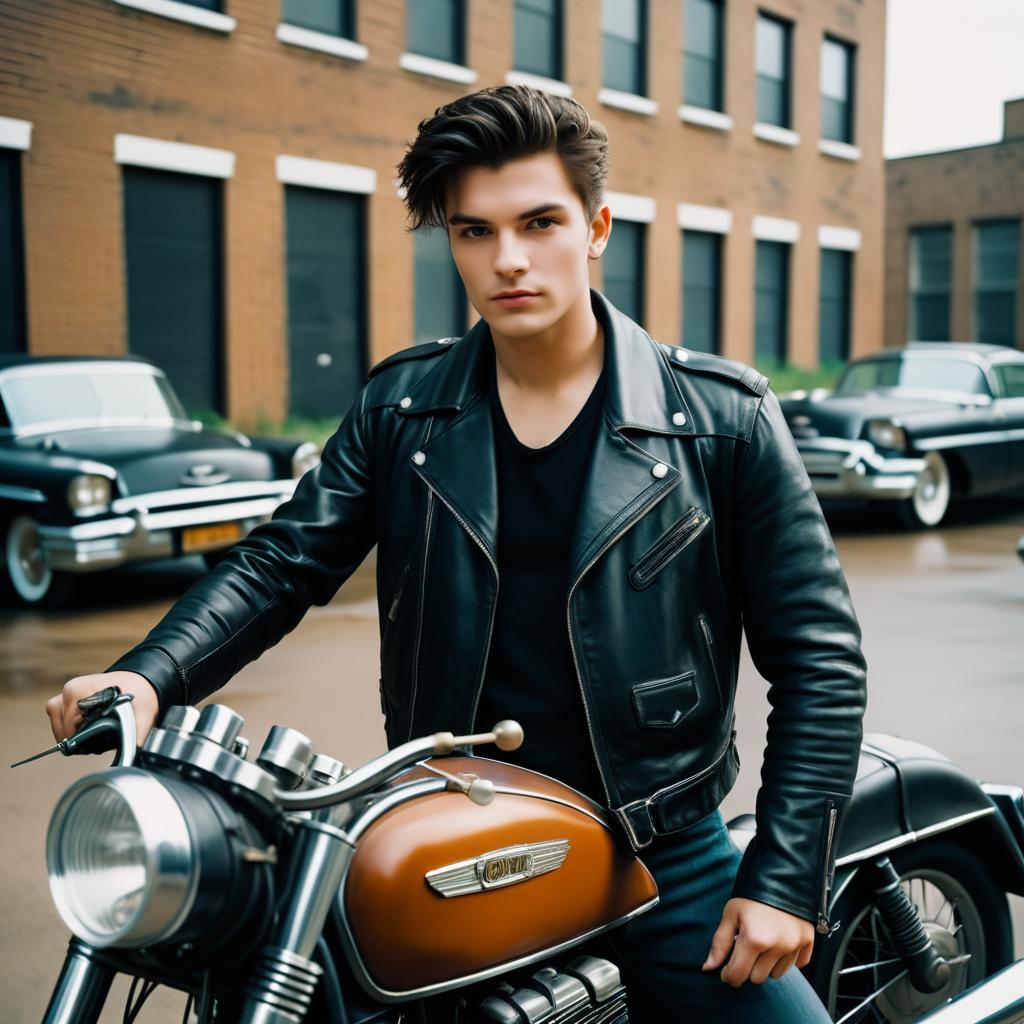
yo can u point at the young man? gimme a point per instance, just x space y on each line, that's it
574 525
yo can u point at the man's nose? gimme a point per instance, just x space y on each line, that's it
511 258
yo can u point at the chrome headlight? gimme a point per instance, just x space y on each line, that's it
120 858
89 494
887 434
305 458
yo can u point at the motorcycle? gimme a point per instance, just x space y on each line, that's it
434 885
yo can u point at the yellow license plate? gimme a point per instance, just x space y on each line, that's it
216 535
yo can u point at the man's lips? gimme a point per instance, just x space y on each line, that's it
517 293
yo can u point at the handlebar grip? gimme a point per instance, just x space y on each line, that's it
95 737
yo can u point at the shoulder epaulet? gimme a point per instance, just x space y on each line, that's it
687 360
427 350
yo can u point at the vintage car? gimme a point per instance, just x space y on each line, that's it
916 426
99 466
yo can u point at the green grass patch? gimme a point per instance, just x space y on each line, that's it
301 427
785 377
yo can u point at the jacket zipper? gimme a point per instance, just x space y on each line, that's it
494 605
572 644
653 562
823 926
708 643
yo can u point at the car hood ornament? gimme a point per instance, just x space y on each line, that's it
203 475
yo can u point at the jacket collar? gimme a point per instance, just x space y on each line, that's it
642 393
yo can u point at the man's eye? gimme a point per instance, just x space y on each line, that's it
547 221
474 227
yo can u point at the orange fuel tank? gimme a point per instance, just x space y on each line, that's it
441 890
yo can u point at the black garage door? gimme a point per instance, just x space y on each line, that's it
12 259
172 227
326 299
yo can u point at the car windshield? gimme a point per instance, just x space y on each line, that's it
914 373
79 396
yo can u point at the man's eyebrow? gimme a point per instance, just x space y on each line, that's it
466 218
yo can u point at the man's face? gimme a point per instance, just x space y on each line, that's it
522 227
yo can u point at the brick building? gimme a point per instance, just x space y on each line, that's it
211 184
953 242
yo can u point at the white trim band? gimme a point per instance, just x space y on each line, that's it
841 150
628 101
15 134
629 207
776 229
310 39
830 237
183 12
433 68
774 133
173 156
300 170
706 118
549 85
692 217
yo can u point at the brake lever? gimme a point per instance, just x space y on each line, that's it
107 716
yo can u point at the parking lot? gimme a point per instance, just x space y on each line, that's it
943 634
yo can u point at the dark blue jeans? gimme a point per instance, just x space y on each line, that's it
661 952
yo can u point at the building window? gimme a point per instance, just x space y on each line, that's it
13 329
837 90
436 28
996 255
703 54
773 71
538 28
771 315
173 255
931 265
206 5
623 38
702 291
325 233
624 268
834 306
439 307
332 17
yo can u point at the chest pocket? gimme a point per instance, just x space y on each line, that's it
645 569
665 703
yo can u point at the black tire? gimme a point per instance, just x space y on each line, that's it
980 919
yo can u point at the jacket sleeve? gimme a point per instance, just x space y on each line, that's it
804 639
266 583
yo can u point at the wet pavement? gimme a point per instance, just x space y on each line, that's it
943 621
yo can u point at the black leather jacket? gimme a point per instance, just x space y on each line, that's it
697 521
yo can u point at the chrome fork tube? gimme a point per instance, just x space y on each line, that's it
283 980
81 989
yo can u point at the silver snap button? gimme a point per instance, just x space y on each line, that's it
678 419
660 470
405 402
681 355
419 458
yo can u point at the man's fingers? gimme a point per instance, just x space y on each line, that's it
54 711
783 965
804 956
764 966
721 943
744 953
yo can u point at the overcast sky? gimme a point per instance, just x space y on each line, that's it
949 66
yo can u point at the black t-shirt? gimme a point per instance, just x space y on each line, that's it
530 674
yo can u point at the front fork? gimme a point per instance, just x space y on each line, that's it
81 989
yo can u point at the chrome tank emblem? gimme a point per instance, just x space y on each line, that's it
499 867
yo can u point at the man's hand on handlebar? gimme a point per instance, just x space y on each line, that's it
66 717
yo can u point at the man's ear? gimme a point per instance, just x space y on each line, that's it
600 232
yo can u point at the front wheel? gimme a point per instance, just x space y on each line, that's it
928 505
29 578
857 971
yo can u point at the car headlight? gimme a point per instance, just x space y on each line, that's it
305 458
89 494
120 859
886 434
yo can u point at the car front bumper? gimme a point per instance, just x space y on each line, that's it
148 529
839 468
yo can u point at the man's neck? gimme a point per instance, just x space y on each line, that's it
568 353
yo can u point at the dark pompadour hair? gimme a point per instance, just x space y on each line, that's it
491 127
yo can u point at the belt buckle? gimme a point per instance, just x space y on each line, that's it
638 821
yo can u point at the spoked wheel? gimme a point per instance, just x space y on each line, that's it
962 910
928 505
